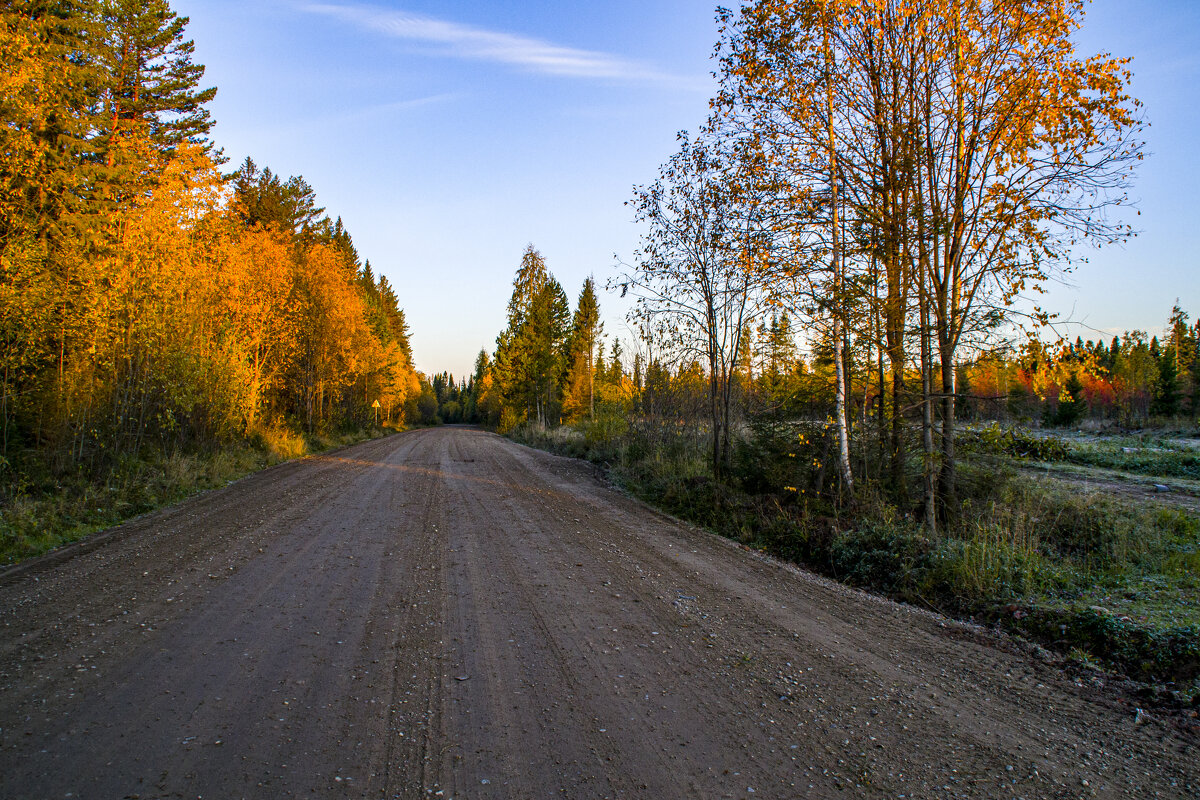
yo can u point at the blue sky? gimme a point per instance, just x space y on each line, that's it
448 135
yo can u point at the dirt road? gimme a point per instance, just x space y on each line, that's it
446 614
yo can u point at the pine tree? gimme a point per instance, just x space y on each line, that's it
261 198
581 353
151 85
530 352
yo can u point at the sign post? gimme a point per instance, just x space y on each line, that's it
375 406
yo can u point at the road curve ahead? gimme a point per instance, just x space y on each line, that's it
444 613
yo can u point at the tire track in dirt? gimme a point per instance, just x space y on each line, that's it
624 712
582 756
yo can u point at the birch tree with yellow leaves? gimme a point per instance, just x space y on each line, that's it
957 149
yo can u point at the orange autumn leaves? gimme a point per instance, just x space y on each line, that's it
189 325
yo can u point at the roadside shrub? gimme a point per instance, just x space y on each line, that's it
638 449
1172 654
1088 528
695 498
1015 442
608 428
279 441
992 565
508 421
982 485
563 440
776 456
883 554
780 535
813 542
24 529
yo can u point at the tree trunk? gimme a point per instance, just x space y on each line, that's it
929 456
843 423
714 409
592 382
949 471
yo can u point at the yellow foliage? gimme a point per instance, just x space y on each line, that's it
280 442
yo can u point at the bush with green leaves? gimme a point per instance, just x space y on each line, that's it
1015 442
884 554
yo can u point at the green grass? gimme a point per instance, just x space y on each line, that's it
1159 602
51 515
1159 460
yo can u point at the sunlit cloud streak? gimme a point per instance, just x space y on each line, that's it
343 118
464 41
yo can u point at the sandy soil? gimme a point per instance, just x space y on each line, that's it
446 614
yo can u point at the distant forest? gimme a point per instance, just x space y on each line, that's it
554 367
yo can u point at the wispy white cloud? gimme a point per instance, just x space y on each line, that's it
464 41
416 102
365 113
347 118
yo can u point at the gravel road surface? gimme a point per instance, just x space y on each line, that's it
444 613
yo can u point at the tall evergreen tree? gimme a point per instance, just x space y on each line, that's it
546 337
530 350
47 218
581 352
1166 389
151 84
261 198
46 116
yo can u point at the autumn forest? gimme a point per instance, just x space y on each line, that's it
149 300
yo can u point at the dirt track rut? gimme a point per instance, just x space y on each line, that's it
446 614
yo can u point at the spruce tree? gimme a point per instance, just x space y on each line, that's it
47 113
261 198
1166 389
516 347
151 85
1071 403
581 351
